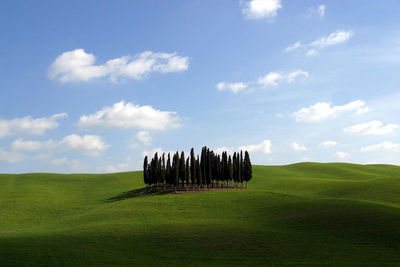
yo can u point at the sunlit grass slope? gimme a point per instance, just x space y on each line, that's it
307 213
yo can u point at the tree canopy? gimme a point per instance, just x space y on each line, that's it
207 169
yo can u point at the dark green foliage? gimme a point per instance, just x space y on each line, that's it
209 170
230 174
182 168
198 172
145 171
192 167
247 170
163 170
187 173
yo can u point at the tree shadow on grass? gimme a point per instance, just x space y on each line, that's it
141 192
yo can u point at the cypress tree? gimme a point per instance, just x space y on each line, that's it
198 172
163 171
230 174
192 166
209 167
203 166
145 171
159 171
177 168
247 168
155 168
218 167
241 168
237 169
168 171
187 172
226 171
182 170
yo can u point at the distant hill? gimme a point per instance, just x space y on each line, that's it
305 213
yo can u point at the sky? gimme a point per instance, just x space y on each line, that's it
94 86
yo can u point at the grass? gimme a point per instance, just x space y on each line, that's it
303 214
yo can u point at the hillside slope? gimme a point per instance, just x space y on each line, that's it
306 213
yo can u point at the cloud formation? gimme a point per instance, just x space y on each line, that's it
123 115
79 66
264 147
341 155
375 127
20 150
324 110
384 146
328 144
88 144
233 87
29 126
141 138
257 9
295 146
321 10
335 38
275 78
92 145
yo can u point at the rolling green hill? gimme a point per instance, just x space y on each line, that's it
306 213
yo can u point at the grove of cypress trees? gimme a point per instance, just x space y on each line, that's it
209 169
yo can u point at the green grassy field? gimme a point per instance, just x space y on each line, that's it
307 214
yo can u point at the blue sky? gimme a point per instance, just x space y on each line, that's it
92 86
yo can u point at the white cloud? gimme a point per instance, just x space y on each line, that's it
274 78
20 150
21 145
294 46
92 145
77 66
219 150
337 37
264 147
384 146
144 137
233 87
28 125
11 156
141 138
363 110
150 153
372 128
323 110
127 115
297 147
341 155
257 9
293 75
327 144
321 10
311 53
